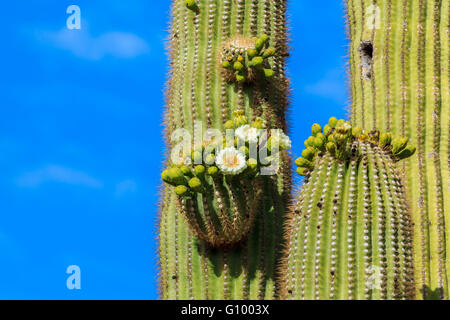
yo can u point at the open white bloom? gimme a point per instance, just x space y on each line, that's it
231 161
247 133
283 140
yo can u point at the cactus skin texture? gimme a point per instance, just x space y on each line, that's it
198 90
350 234
399 56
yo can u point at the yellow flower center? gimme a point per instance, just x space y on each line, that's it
231 160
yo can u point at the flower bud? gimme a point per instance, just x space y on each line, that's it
398 144
181 190
315 129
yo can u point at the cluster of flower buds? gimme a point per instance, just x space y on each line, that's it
232 156
243 61
338 138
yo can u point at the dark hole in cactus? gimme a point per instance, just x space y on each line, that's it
174 277
290 291
319 205
366 51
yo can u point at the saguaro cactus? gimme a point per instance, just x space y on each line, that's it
209 40
400 83
350 236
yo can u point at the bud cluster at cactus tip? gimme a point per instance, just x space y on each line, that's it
244 58
229 157
337 138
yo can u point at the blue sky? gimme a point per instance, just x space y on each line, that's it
81 142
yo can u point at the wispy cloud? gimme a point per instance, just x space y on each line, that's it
331 86
54 173
84 45
127 186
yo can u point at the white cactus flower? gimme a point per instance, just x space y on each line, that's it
231 161
247 133
283 140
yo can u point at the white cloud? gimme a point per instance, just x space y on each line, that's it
331 86
54 173
125 187
82 44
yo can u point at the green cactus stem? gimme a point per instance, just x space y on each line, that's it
399 61
200 94
350 235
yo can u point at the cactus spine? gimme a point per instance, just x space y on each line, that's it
399 56
350 234
199 90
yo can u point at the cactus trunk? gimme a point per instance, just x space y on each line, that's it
350 235
200 90
399 56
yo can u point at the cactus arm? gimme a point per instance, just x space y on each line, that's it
408 94
349 235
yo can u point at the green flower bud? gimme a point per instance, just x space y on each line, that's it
331 137
252 164
374 136
229 125
302 171
385 139
258 123
319 143
302 162
213 171
398 144
192 5
226 64
252 53
339 139
261 42
238 66
356 131
240 77
310 142
196 184
331 148
269 73
363 137
269 52
186 170
407 152
327 130
199 170
238 113
165 176
257 61
316 128
340 123
181 190
333 122
240 121
309 153
176 176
